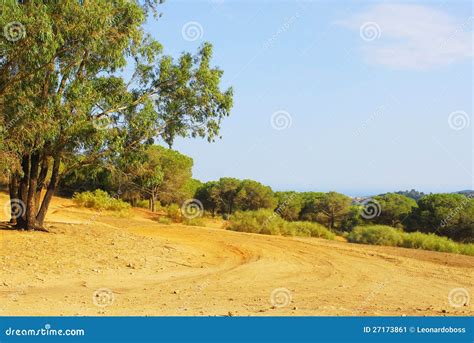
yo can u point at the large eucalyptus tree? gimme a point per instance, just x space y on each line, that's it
65 100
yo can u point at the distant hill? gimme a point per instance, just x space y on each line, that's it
467 192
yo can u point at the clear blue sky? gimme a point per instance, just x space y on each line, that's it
379 94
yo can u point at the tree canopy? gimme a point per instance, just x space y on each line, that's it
395 208
450 215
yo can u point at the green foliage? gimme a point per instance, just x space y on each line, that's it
311 205
159 173
228 195
173 212
352 219
252 195
413 194
87 178
308 229
205 195
177 173
450 215
265 221
330 209
386 235
148 173
99 200
261 221
194 91
289 205
224 194
191 187
335 207
394 208
142 203
376 234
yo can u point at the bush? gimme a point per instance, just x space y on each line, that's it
261 221
376 234
143 203
99 200
386 235
173 212
270 223
308 229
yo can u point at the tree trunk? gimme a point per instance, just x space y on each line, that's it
30 200
13 190
53 183
41 180
153 196
22 196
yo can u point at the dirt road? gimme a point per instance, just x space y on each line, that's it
96 263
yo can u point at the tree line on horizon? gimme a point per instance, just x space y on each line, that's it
449 215
164 177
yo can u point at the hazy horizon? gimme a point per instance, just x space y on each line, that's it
369 193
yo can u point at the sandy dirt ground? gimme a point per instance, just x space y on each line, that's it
98 263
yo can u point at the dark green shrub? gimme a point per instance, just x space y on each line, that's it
376 234
270 223
261 221
308 229
173 212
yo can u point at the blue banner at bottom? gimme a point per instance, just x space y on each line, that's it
236 329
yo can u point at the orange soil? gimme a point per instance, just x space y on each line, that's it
155 269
